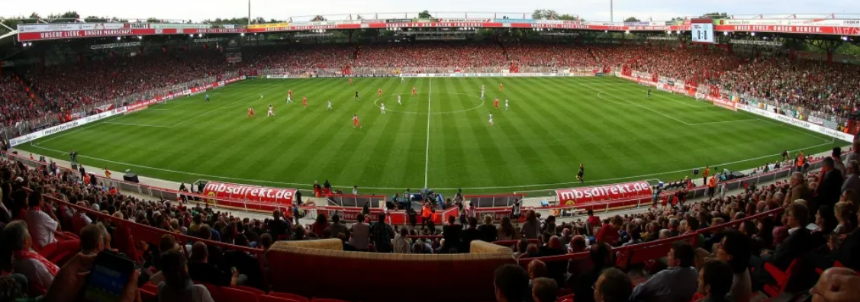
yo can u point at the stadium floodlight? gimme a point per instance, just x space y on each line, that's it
191 35
627 32
752 34
668 32
725 33
844 38
242 34
140 37
118 38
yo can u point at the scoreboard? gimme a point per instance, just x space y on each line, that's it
702 32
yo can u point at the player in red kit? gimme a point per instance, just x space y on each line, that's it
355 122
305 102
350 81
379 92
251 113
290 93
501 87
496 103
413 91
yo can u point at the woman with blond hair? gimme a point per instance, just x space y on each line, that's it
846 217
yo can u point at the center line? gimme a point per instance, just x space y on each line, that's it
427 151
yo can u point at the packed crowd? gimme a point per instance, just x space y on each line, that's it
434 54
814 85
819 222
113 78
15 103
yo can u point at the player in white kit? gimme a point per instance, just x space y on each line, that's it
398 100
506 104
491 120
271 111
482 92
289 99
329 105
382 107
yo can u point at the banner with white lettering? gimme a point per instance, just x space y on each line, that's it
223 190
604 193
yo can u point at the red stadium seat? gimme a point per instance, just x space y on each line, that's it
250 289
326 300
230 294
267 298
290 296
148 295
780 277
214 291
566 298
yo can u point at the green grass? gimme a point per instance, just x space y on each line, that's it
553 125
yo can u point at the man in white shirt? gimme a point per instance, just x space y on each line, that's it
39 271
40 224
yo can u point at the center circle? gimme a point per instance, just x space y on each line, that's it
408 100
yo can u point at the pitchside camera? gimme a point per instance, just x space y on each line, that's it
695 171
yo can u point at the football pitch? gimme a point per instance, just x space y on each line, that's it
440 139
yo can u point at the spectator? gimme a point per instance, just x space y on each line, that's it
488 231
470 234
177 285
92 240
591 222
277 226
601 258
511 283
360 232
320 225
845 215
837 160
531 228
795 245
735 251
830 187
402 244
40 272
837 284
536 269
43 224
714 282
577 266
799 189
507 230
166 244
609 233
852 181
544 290
674 284
612 286
382 234
201 270
451 232
338 228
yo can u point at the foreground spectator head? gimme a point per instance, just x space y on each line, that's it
11 290
613 285
715 280
836 284
577 244
266 240
92 240
681 254
544 290
199 253
174 267
537 269
167 243
511 283
734 250
522 246
16 237
798 215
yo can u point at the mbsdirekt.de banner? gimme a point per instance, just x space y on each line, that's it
230 191
612 192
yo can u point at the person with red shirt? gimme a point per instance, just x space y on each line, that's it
501 87
496 103
305 102
379 92
355 121
609 232
251 112
413 91
592 220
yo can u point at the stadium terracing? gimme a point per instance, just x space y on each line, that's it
817 91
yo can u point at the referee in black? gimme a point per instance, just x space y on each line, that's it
580 174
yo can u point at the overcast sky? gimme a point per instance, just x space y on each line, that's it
595 10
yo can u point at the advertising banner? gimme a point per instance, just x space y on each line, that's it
222 190
723 103
604 193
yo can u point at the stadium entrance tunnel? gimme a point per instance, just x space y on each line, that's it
434 103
